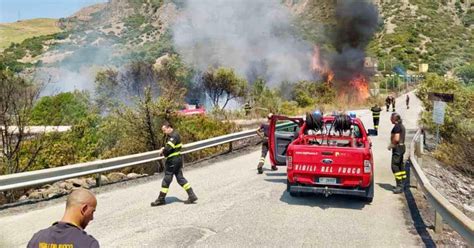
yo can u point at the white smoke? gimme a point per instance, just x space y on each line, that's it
61 79
254 37
77 69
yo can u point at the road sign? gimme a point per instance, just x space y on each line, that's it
433 96
438 112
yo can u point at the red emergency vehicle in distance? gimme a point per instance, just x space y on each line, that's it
325 155
191 109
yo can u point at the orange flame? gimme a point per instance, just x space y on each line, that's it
360 84
321 66
358 90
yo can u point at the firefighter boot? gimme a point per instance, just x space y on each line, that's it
260 168
191 196
399 188
160 201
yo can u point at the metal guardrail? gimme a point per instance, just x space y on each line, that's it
444 210
39 177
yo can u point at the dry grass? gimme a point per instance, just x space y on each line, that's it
21 30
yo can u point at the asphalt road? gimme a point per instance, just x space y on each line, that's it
238 208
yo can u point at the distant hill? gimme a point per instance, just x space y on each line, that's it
19 31
411 32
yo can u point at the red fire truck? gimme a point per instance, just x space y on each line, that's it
324 155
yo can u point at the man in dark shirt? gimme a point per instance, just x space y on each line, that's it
262 131
408 101
69 231
173 166
397 145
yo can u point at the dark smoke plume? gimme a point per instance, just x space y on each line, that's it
356 24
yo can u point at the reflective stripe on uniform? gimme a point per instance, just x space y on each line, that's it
173 145
400 173
164 190
262 159
173 154
376 115
186 186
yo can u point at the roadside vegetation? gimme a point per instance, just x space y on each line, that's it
457 133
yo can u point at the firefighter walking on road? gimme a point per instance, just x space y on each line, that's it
173 166
393 103
408 101
388 101
397 145
376 115
263 133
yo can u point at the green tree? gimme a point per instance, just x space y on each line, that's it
107 89
174 79
17 97
66 108
223 84
265 98
307 93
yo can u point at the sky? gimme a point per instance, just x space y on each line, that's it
14 10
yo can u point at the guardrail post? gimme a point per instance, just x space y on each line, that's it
231 148
438 223
420 142
419 155
98 181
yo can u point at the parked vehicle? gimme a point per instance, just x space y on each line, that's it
325 155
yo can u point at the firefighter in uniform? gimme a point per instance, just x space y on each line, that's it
173 166
376 115
388 100
247 108
393 103
263 133
397 145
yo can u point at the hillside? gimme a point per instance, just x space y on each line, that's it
19 31
410 32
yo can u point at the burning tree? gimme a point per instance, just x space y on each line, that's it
356 23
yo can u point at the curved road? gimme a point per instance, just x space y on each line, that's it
238 208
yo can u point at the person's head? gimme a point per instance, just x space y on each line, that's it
80 207
167 128
269 116
395 118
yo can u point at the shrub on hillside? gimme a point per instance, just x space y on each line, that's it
307 93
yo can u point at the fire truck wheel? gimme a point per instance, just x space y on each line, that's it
292 193
369 197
